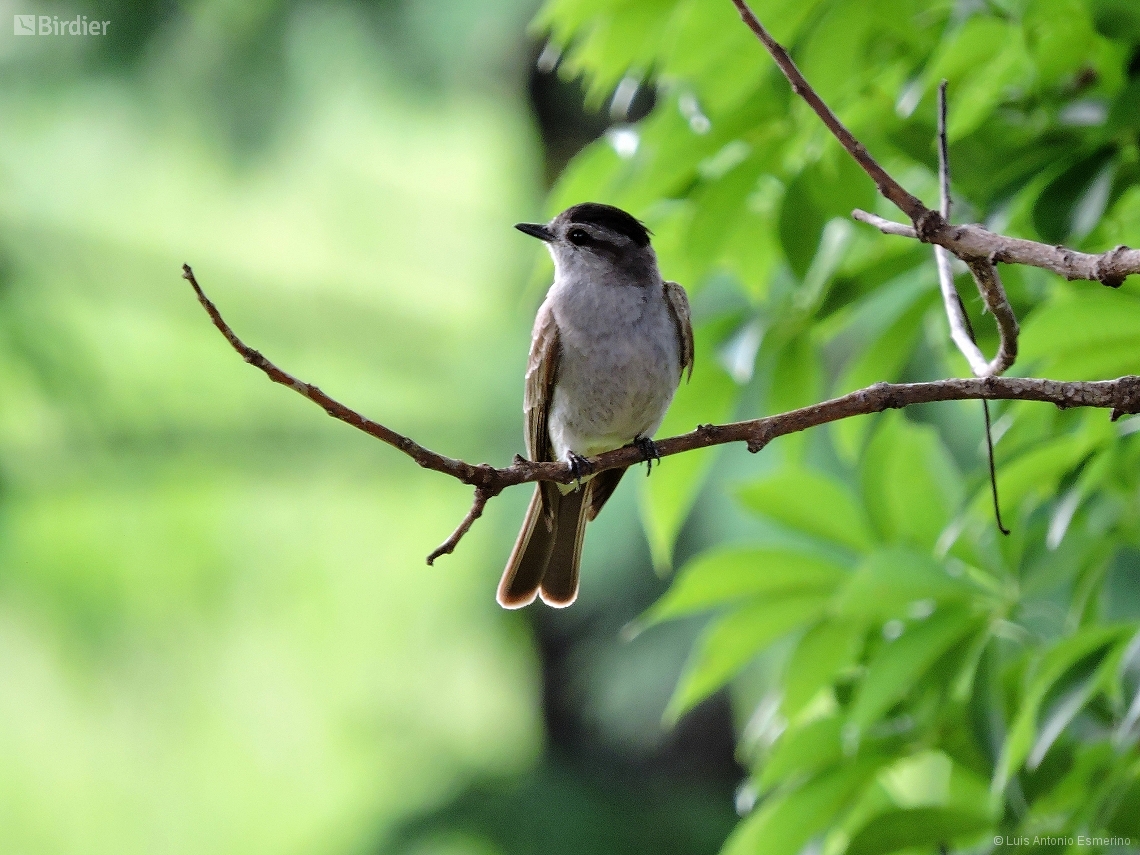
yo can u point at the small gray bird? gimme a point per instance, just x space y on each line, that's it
609 346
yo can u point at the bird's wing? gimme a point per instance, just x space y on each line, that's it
679 307
541 372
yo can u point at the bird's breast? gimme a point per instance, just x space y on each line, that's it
618 368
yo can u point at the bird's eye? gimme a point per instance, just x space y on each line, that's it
578 237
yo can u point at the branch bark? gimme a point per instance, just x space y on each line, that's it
1122 396
971 240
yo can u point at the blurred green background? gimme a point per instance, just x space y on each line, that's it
217 631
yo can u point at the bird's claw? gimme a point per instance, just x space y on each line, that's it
649 452
579 466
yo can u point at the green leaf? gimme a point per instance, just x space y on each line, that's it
919 828
1055 213
827 189
1092 641
920 780
708 47
797 381
1084 335
728 574
668 495
1060 35
911 486
823 652
881 361
801 223
982 60
890 580
597 166
721 200
783 824
813 503
900 663
803 750
731 642
1032 477
783 20
920 798
624 37
837 45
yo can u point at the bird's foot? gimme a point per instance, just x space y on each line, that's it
649 452
579 466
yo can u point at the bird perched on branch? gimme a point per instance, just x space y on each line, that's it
609 346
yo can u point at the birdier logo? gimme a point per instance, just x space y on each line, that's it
51 25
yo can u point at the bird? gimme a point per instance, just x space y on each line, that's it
610 345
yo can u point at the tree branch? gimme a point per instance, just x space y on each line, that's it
967 242
910 205
971 240
448 546
426 458
960 331
1122 396
989 286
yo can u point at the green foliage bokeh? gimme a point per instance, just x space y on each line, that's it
217 631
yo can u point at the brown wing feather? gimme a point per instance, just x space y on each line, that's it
541 372
679 306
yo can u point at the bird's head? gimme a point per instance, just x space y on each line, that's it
595 239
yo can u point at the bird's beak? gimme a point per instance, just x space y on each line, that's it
536 230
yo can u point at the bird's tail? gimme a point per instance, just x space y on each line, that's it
547 553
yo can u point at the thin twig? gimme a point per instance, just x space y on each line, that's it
1122 396
989 286
989 431
961 331
965 241
944 200
993 467
891 189
426 458
985 275
887 227
477 505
